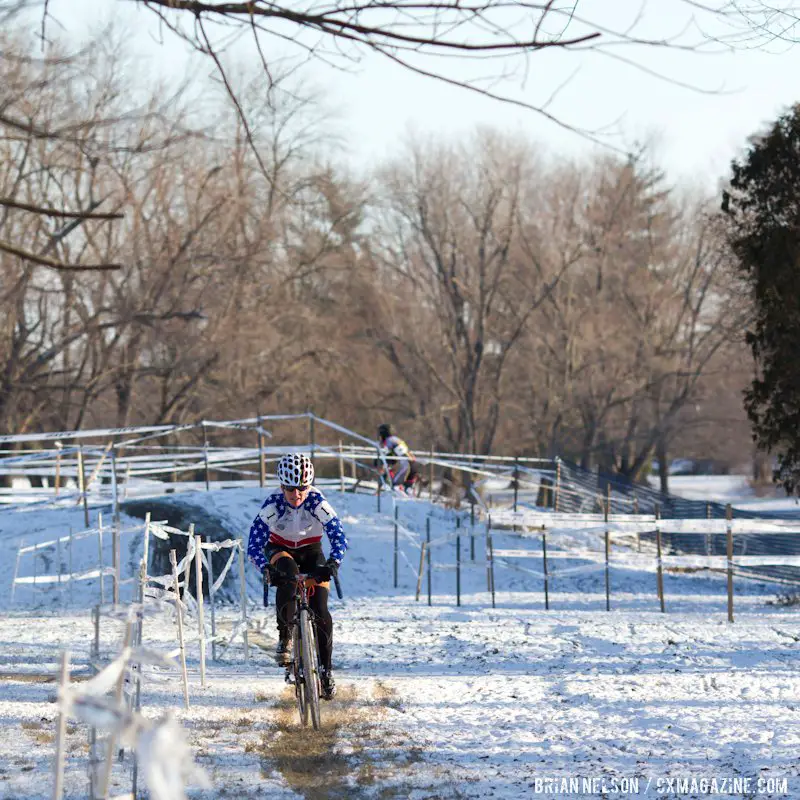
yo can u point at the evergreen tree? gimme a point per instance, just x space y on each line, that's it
763 204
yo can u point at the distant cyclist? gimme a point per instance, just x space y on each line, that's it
285 540
402 464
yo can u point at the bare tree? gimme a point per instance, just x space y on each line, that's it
66 140
463 265
228 258
629 338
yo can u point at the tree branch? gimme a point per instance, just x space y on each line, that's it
49 262
52 212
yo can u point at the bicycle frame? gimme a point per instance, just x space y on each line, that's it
303 670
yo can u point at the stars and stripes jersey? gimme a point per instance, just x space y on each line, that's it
280 523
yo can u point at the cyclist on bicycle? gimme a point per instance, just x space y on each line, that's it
401 461
285 540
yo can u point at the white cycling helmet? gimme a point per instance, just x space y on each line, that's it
295 469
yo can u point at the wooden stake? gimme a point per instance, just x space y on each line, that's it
96 621
472 528
179 615
608 575
82 486
201 626
116 560
142 590
114 485
729 537
61 731
607 544
101 566
187 567
419 574
659 572
458 570
341 468
516 485
146 548
16 569
486 553
93 474
243 602
69 566
95 657
112 738
544 570
58 566
491 565
211 597
137 705
205 454
428 552
396 544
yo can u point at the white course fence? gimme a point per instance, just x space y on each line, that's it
522 494
607 542
111 700
114 464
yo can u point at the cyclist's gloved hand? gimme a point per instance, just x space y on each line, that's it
271 575
329 570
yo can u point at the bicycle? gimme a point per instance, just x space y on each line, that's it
303 669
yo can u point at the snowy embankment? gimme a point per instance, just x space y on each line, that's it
443 701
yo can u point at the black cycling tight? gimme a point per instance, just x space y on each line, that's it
287 563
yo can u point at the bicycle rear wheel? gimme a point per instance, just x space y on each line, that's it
310 668
299 681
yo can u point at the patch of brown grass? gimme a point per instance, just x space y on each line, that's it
28 677
40 732
336 761
39 677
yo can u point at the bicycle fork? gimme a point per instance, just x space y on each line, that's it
294 670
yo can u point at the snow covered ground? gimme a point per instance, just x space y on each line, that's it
439 701
734 489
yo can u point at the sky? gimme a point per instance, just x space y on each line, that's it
694 132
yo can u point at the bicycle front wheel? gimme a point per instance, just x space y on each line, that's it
310 668
299 681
